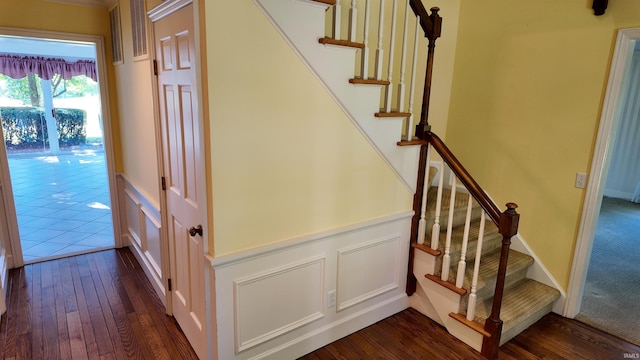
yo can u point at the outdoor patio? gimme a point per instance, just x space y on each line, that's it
62 202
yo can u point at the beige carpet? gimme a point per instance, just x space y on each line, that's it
611 299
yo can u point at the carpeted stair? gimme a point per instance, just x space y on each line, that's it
525 300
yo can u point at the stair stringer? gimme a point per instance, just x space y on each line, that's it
302 23
437 302
538 272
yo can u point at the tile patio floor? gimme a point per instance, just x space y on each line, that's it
62 203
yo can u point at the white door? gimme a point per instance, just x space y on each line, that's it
175 54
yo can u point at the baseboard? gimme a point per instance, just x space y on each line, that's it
285 300
538 272
142 229
618 194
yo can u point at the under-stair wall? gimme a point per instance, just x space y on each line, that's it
334 66
454 287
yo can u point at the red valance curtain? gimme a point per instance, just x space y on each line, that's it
17 67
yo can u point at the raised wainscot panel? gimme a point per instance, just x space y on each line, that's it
132 215
152 239
277 301
142 226
357 280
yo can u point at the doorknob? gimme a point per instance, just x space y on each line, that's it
195 230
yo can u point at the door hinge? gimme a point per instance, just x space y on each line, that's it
169 284
155 67
164 183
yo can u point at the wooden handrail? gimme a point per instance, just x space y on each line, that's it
465 178
506 221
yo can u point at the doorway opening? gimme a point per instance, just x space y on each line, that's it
605 219
55 149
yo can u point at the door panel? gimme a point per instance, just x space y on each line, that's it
183 169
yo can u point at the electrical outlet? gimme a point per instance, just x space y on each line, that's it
581 180
331 299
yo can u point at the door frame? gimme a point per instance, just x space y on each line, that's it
599 166
14 249
166 8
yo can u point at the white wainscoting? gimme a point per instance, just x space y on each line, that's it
141 226
273 302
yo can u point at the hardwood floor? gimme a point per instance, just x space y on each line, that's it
410 335
101 306
94 306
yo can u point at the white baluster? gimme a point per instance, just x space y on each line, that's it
353 20
379 50
446 259
471 307
412 92
435 230
462 264
392 47
403 63
422 224
365 51
337 20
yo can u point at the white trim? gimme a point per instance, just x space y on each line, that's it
538 272
300 317
332 66
343 273
93 3
167 8
336 330
223 261
315 310
597 177
137 234
618 194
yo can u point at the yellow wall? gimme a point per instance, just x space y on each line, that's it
50 16
285 160
135 105
529 80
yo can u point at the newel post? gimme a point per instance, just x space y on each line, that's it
508 227
432 34
417 205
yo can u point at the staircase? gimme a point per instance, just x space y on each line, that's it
525 300
462 272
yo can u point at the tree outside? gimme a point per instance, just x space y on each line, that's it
79 92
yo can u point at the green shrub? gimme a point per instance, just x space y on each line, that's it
26 127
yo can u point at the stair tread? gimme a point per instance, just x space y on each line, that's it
489 268
400 114
520 302
346 43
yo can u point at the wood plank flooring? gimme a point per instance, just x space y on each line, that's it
410 335
94 306
101 306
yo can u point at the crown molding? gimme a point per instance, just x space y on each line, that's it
93 3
